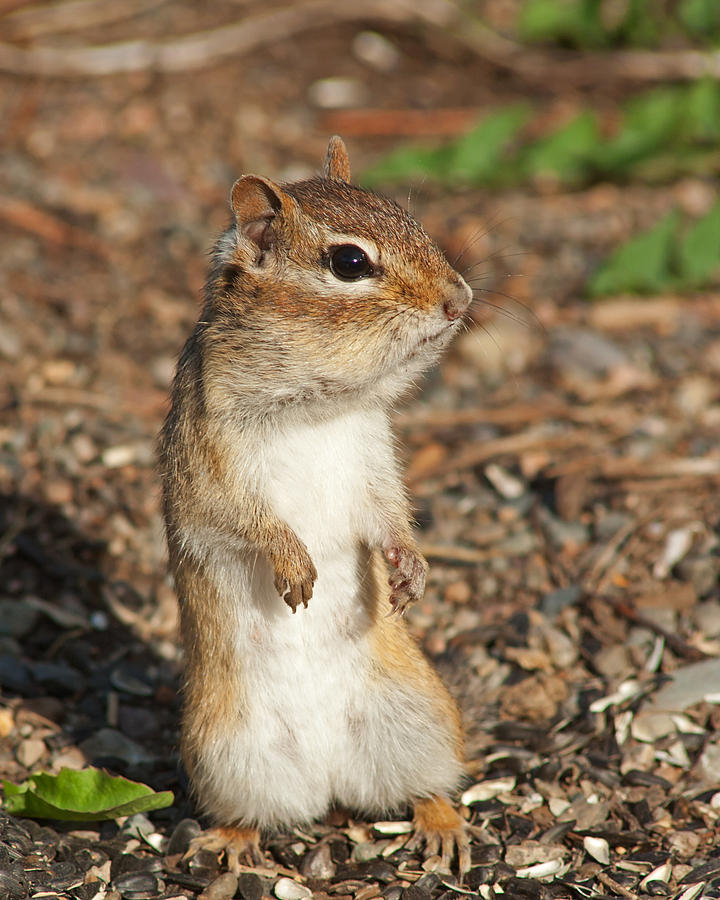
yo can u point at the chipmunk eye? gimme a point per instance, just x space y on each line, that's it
349 262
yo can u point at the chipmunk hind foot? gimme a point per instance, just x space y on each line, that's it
239 846
443 831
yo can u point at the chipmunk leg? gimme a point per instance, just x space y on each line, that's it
443 831
240 845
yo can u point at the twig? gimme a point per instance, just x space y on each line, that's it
461 556
205 48
615 417
44 225
404 122
605 559
72 15
678 646
583 68
202 48
512 444
616 886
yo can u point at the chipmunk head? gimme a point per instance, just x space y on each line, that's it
334 288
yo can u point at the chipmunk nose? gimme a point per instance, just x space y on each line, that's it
457 301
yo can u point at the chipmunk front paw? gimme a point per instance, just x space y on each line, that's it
295 575
408 581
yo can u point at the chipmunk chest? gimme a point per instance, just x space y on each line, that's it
317 476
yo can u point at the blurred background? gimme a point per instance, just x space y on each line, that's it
563 461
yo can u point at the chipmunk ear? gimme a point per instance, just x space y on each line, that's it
337 163
256 201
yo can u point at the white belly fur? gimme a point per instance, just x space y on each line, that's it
320 726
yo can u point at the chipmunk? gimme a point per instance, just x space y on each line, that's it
282 495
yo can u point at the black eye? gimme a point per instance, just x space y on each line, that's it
349 262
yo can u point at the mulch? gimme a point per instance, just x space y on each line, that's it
562 462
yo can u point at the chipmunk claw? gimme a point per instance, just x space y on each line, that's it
407 582
240 846
297 587
443 832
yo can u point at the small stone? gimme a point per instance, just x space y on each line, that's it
183 833
29 752
17 617
72 758
478 875
138 826
15 675
554 602
59 679
692 684
565 534
380 870
707 768
138 723
287 889
375 50
108 742
7 722
562 649
703 573
584 351
415 892
534 699
318 863
649 726
707 618
125 680
367 850
336 93
250 886
139 886
222 888
608 525
613 661
10 888
684 843
458 592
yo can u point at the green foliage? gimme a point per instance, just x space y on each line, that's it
596 24
576 22
663 258
699 251
648 124
566 155
87 795
476 156
700 18
642 265
479 154
662 133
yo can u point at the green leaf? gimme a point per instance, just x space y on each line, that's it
643 265
87 795
479 155
564 154
651 120
571 21
702 110
699 250
409 162
700 17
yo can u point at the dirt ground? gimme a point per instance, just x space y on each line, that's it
563 464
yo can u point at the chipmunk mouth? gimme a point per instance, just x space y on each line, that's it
431 342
